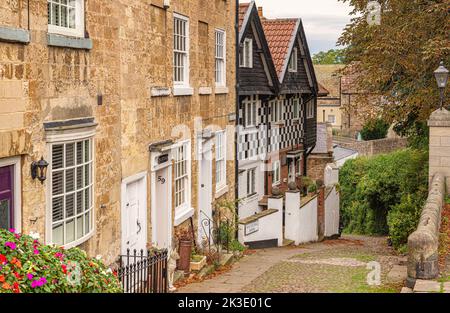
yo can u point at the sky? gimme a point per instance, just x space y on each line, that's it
323 20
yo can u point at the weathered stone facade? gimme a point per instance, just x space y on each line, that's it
113 82
374 147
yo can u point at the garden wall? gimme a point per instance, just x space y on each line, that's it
374 147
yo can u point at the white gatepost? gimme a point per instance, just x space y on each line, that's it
292 216
331 175
276 203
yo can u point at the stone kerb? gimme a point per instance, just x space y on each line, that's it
424 242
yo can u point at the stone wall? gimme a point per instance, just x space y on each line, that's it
439 124
374 147
131 55
423 244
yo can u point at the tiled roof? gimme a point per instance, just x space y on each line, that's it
323 92
243 8
279 34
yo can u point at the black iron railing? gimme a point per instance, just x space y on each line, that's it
215 231
143 272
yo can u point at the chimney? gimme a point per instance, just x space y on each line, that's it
260 12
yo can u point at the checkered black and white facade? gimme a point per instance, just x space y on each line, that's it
264 135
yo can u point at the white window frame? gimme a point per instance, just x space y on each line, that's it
251 105
276 110
185 206
221 58
334 119
246 59
63 138
16 162
299 166
293 61
185 54
310 109
78 31
251 182
221 160
296 108
276 173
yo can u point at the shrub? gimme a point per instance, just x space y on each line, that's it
383 195
375 129
26 266
235 245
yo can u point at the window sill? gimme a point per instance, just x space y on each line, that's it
182 214
160 91
79 241
277 124
221 191
220 90
251 197
56 40
183 91
16 35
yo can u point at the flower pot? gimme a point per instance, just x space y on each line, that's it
185 255
198 265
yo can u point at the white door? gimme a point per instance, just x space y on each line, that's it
162 206
205 194
134 215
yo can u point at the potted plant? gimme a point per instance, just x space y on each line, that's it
197 262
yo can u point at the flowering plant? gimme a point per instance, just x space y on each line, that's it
26 266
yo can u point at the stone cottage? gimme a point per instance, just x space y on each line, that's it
104 115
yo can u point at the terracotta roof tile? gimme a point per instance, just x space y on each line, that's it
279 33
243 8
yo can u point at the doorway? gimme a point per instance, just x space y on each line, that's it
134 213
205 193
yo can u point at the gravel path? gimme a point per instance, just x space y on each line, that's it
331 266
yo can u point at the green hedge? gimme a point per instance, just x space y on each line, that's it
26 266
383 195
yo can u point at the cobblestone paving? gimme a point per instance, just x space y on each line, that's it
330 266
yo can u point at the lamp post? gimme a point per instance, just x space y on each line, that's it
441 75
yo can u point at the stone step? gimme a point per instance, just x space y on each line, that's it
288 242
427 286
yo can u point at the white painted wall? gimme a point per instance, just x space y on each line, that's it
270 227
332 213
292 218
308 223
341 162
331 174
301 221
248 206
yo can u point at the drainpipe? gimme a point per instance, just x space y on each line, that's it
236 138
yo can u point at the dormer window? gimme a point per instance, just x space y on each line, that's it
246 53
293 61
66 17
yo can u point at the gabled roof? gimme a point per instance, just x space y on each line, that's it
281 34
249 20
323 92
243 9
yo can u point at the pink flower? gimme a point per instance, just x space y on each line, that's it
38 283
13 230
10 245
36 251
30 276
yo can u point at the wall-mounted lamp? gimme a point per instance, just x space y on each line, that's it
39 170
166 4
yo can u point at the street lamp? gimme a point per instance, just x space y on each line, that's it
441 75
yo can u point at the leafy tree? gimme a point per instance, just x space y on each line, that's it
397 58
375 129
333 56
